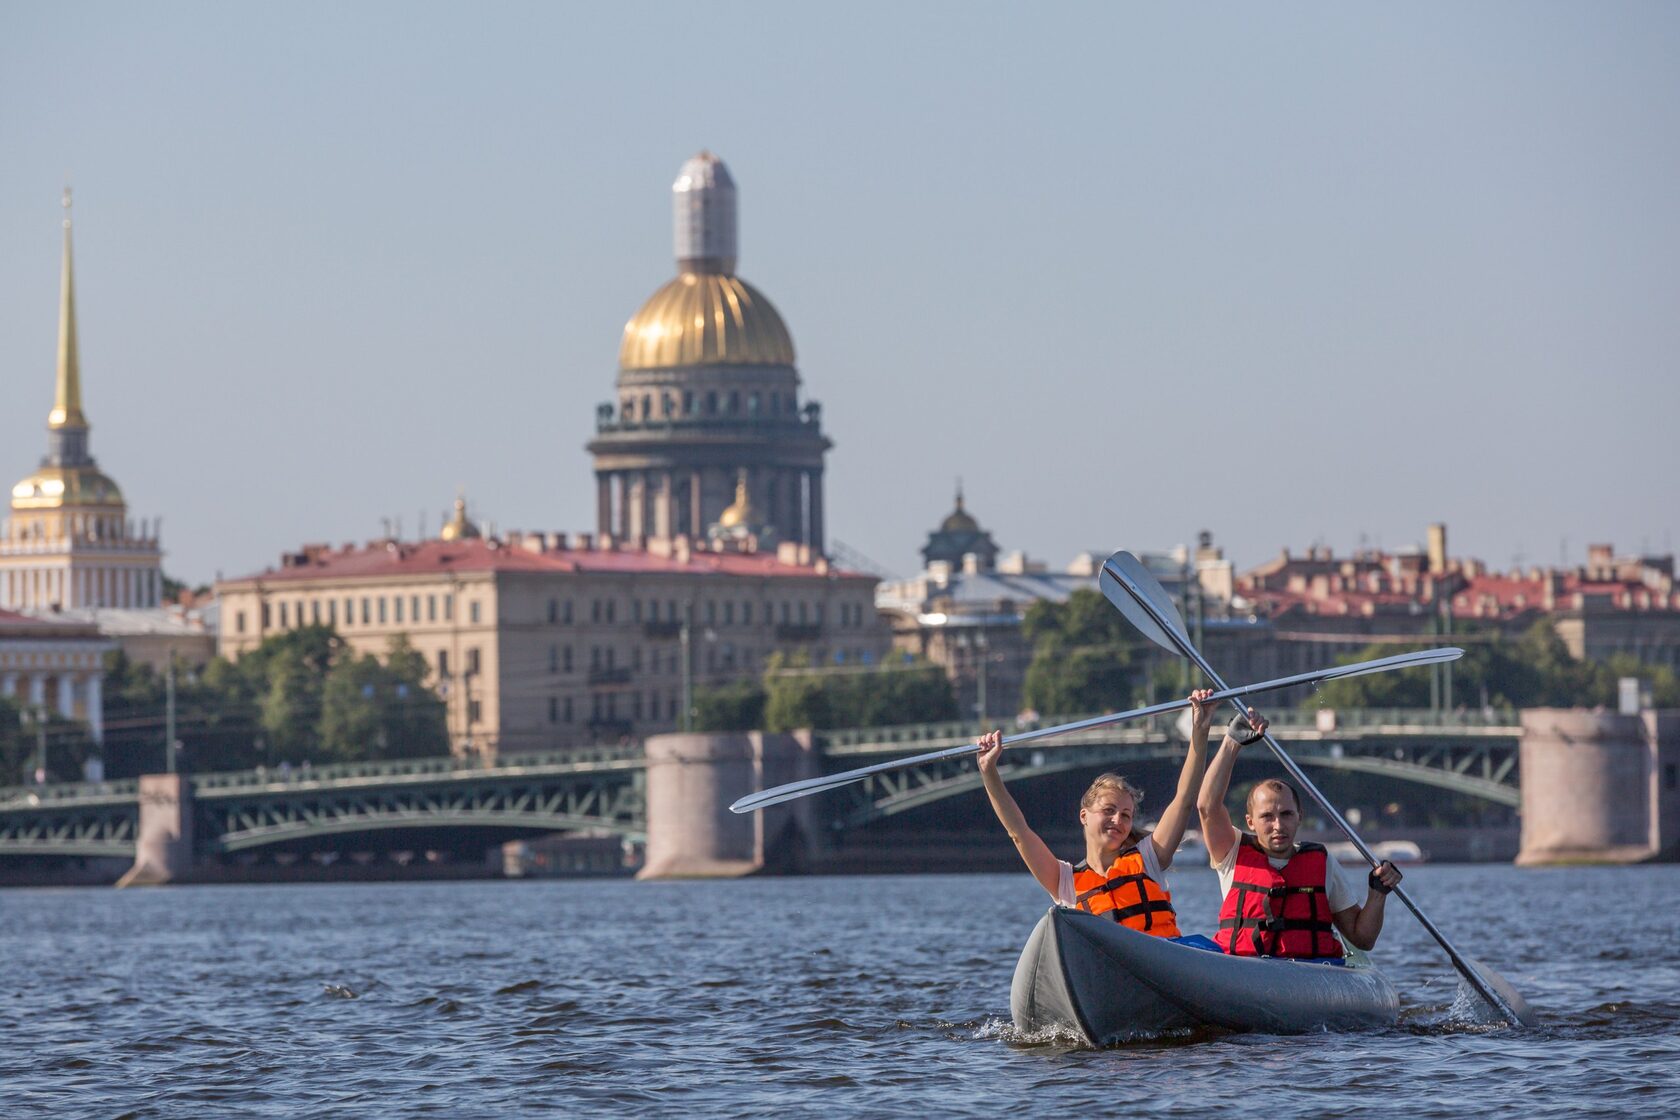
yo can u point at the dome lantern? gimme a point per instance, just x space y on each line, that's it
703 206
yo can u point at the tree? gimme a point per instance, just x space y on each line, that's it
1086 656
737 706
374 710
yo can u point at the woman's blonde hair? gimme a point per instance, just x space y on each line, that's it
1117 784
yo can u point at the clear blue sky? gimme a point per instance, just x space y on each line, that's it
1291 273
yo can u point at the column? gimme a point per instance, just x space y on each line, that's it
696 524
95 706
645 507
38 690
662 512
8 684
816 511
603 503
66 696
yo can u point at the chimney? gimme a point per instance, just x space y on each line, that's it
1438 548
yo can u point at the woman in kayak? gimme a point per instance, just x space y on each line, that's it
1123 874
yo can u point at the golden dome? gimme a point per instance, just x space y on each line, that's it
740 514
959 520
458 528
705 319
58 487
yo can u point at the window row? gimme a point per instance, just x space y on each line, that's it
374 610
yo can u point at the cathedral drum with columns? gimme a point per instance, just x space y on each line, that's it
708 407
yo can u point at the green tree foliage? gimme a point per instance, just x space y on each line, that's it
22 735
793 695
1533 669
300 696
377 710
738 706
1086 657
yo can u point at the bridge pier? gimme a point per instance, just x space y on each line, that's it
1598 787
691 781
163 848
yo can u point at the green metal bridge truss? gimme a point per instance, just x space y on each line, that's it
604 789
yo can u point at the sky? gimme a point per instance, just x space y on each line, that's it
1295 274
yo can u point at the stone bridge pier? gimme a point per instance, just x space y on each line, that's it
163 846
1599 787
692 779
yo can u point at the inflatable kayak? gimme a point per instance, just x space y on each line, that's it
1107 983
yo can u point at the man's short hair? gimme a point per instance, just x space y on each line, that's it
1276 785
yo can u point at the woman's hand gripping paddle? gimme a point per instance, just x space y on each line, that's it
1139 596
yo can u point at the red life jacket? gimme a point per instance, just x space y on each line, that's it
1126 894
1273 912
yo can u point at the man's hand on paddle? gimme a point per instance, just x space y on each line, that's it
991 745
1247 729
1384 878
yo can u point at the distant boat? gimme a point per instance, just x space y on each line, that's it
1394 851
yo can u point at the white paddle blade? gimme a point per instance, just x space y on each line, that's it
1516 1007
1127 584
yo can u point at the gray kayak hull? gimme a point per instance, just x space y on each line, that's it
1090 977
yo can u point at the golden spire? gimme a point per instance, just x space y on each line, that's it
67 404
458 527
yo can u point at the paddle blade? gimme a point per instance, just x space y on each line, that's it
1516 1007
1127 584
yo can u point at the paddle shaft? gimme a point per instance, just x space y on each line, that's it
1303 782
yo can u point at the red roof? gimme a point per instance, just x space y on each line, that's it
436 556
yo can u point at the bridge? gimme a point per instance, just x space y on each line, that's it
442 802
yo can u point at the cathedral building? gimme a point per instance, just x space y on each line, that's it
69 543
708 395
707 557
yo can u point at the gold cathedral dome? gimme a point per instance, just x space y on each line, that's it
705 318
54 487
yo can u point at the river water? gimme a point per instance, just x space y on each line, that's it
867 997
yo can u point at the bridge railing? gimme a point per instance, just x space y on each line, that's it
415 767
16 797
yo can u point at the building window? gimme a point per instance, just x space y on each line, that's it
566 612
414 608
729 613
746 613
635 610
636 705
472 662
554 709
443 664
566 659
802 612
553 611
554 659
349 610
595 610
786 612
610 603
265 619
396 608
566 708
285 616
473 611
431 608
472 711
332 612
449 608
382 610
711 612
594 659
367 612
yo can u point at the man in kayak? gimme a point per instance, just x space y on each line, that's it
1123 874
1282 899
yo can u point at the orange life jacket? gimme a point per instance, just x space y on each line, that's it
1126 894
1278 912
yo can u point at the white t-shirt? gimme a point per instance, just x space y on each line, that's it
1340 889
1066 896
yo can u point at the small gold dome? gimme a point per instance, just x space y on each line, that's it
458 528
60 487
959 520
739 514
705 319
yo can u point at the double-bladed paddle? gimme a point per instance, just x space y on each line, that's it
788 792
1131 587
